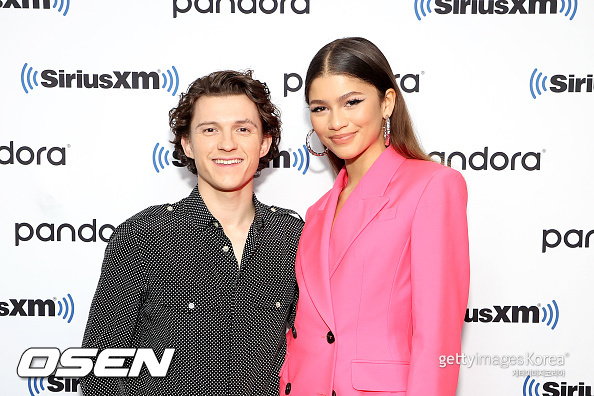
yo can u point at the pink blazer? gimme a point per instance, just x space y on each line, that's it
380 304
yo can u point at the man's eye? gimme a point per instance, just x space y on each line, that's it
243 130
208 130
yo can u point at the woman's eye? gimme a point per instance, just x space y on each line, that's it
317 109
353 102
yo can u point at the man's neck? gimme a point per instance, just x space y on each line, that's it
231 208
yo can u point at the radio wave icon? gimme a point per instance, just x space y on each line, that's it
67 308
65 8
553 315
34 390
570 5
537 83
27 78
173 79
159 157
420 6
302 159
528 387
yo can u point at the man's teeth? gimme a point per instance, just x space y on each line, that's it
227 162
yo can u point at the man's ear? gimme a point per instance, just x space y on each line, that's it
266 142
187 146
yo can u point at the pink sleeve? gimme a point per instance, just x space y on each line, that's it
440 275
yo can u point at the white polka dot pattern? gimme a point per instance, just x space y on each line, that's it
170 280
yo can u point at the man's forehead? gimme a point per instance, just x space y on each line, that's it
229 108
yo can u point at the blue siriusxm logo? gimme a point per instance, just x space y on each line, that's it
553 315
559 83
39 307
515 314
168 80
536 82
300 159
34 387
553 388
37 4
54 384
161 158
567 8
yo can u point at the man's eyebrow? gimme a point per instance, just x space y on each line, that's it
244 121
207 123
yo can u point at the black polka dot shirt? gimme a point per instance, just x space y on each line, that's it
170 279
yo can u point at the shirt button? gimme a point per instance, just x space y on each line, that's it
225 248
330 337
278 304
191 305
273 209
288 389
170 208
216 224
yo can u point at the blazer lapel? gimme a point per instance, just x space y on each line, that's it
314 257
364 203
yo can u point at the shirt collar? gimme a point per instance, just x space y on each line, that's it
200 216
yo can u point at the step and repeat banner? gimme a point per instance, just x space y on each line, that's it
500 90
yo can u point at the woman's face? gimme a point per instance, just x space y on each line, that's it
347 115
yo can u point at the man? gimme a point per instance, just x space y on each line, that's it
212 275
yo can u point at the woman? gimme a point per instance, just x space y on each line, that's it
382 264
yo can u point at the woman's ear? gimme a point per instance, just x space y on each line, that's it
389 102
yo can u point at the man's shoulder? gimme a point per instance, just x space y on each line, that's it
282 216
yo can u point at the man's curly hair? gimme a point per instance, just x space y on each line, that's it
226 83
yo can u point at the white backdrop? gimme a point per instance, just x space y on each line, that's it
471 87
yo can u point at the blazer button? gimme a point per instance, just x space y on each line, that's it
288 389
333 393
294 331
330 337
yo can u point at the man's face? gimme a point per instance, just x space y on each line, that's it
226 142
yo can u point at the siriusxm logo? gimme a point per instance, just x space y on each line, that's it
244 6
496 7
300 161
408 83
515 314
37 4
481 160
552 388
26 155
559 83
161 156
55 384
115 80
39 307
578 240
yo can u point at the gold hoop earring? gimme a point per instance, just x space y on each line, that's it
308 145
